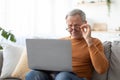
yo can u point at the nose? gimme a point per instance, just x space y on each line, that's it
73 27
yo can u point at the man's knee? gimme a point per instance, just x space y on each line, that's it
63 76
33 72
35 75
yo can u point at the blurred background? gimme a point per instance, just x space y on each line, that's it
46 18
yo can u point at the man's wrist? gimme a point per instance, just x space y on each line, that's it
89 41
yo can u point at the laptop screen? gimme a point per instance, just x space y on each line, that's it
49 54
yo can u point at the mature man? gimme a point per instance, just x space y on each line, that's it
87 52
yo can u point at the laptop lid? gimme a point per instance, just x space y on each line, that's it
49 54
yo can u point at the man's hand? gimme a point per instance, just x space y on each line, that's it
86 32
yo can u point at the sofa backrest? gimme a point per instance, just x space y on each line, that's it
107 51
112 52
1 60
114 70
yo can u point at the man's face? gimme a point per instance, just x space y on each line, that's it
74 23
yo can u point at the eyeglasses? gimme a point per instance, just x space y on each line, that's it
71 28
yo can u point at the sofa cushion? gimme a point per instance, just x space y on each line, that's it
22 67
107 51
114 70
11 56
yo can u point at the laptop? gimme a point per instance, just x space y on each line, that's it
49 54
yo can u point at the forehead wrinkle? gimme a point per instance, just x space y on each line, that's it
74 20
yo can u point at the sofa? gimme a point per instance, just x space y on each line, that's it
112 52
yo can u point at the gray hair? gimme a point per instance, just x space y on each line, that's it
77 12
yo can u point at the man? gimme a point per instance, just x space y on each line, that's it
87 52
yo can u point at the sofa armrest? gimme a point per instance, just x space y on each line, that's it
10 79
1 60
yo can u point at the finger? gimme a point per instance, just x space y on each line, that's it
83 25
83 30
86 27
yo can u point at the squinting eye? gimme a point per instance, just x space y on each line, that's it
77 25
70 26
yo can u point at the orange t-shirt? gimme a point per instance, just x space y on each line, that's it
85 58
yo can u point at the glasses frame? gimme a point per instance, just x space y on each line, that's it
70 28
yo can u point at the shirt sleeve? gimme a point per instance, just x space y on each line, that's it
98 58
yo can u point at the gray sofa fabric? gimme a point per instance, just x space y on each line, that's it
112 52
114 70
